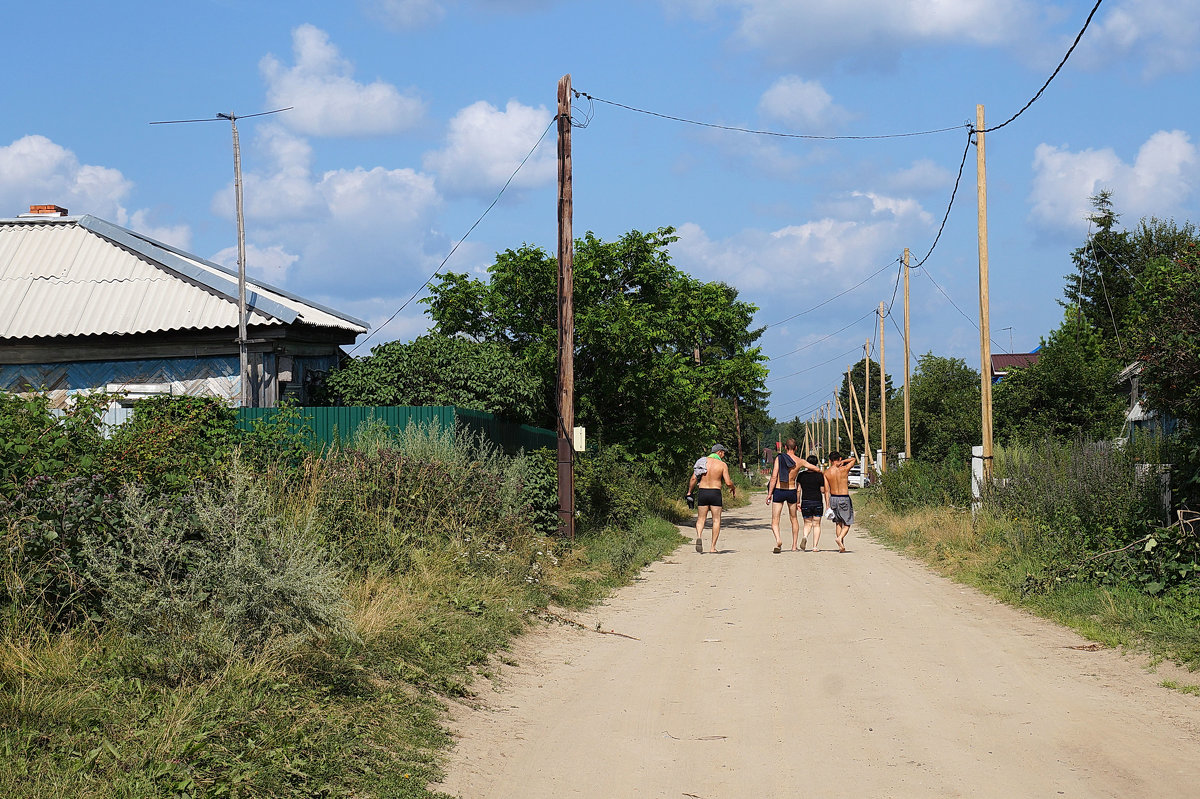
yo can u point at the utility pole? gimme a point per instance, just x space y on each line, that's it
849 410
985 338
566 317
883 398
908 453
866 422
243 355
838 417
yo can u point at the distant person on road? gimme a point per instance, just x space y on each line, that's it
812 500
708 495
781 492
838 486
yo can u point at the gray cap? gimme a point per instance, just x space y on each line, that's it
718 448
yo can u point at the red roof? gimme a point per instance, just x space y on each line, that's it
1002 363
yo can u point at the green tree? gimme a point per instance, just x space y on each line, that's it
441 370
1168 340
655 349
944 409
858 375
1070 392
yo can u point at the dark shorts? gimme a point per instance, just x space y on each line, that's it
783 495
708 496
811 507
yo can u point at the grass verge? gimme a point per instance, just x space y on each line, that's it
986 552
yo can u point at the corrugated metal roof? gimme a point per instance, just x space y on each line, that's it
81 276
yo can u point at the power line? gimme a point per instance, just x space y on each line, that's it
801 399
974 324
962 164
809 369
865 280
464 238
755 132
823 338
1054 74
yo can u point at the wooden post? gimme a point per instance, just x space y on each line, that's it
844 418
838 417
737 423
908 453
849 386
985 337
243 355
883 399
867 398
566 317
866 444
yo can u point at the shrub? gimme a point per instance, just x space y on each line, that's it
34 442
919 484
172 443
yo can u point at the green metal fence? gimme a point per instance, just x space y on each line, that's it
332 426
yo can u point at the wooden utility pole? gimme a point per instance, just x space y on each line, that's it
849 386
908 453
845 417
985 336
883 398
839 417
737 423
566 317
243 354
866 422
863 425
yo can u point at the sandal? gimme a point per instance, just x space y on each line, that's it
777 548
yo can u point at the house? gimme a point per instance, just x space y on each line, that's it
1141 421
1001 364
87 305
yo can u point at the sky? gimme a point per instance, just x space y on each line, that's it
408 117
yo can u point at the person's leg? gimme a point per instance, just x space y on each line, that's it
814 527
842 529
716 525
792 511
776 509
701 515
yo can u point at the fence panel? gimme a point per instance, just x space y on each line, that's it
330 426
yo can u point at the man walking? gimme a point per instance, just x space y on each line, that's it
708 496
838 485
781 492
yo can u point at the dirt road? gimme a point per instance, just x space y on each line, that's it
818 675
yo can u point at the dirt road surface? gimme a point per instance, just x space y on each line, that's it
818 675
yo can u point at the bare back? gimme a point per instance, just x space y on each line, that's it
717 474
836 476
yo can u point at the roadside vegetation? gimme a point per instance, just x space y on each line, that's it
187 611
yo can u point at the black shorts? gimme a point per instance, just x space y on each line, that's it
708 496
811 507
784 495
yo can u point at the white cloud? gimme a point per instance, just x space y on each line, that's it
326 99
1164 34
176 235
485 145
924 175
349 232
802 104
34 170
269 263
408 14
832 251
817 32
1162 176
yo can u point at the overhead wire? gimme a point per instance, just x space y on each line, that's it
817 366
1054 74
757 132
823 338
863 282
454 249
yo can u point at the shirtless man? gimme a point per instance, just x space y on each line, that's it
708 497
837 483
781 491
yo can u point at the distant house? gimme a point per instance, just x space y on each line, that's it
1001 364
1141 421
87 305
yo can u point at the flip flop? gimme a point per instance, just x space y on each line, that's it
700 545
777 548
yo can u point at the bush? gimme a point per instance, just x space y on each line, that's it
918 484
172 443
34 442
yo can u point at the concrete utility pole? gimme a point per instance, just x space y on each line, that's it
243 356
566 317
908 453
985 337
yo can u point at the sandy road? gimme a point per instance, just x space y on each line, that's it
818 675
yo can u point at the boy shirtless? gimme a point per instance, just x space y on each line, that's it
781 491
708 496
837 483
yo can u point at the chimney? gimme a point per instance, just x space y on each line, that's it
44 210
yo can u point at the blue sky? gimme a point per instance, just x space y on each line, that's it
409 115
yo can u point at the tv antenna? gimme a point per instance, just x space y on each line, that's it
1010 345
244 399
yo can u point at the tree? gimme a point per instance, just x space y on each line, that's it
1070 392
1168 339
441 370
944 409
858 375
663 362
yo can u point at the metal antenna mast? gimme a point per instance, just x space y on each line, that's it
243 356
